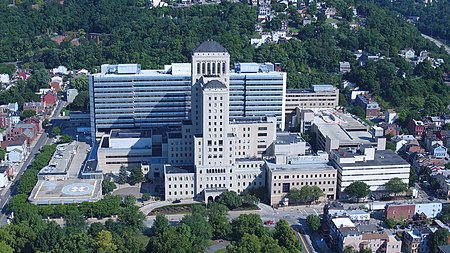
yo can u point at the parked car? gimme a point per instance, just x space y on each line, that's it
268 222
176 201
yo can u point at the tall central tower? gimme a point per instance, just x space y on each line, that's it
210 116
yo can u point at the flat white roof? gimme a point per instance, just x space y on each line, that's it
343 222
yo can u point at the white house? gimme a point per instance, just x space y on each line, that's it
16 156
4 79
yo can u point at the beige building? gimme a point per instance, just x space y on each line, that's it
308 170
334 129
323 96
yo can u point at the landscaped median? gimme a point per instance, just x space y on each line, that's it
230 199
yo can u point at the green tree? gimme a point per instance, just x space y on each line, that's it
217 218
65 138
79 242
27 114
5 248
2 154
123 175
391 222
131 217
439 238
104 242
306 194
56 130
201 231
358 190
249 243
349 249
129 200
247 223
391 145
170 240
136 176
313 222
230 199
52 237
160 224
286 237
108 186
81 102
365 250
145 197
81 83
75 222
396 186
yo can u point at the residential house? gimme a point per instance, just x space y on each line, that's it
4 176
55 86
439 151
36 120
407 53
71 94
371 107
49 99
9 119
4 79
38 107
431 141
408 211
16 150
390 116
345 233
416 240
344 67
60 70
415 127
442 178
330 12
391 130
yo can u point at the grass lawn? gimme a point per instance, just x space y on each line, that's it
221 251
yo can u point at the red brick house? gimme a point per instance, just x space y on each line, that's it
399 212
36 121
38 107
49 99
415 127
55 86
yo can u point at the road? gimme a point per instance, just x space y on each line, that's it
43 140
437 42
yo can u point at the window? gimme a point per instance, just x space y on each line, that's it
286 187
262 134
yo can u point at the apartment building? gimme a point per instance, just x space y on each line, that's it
345 233
374 167
126 96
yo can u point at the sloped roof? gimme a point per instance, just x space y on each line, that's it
215 84
210 46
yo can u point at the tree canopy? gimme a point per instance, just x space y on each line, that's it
358 190
396 186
